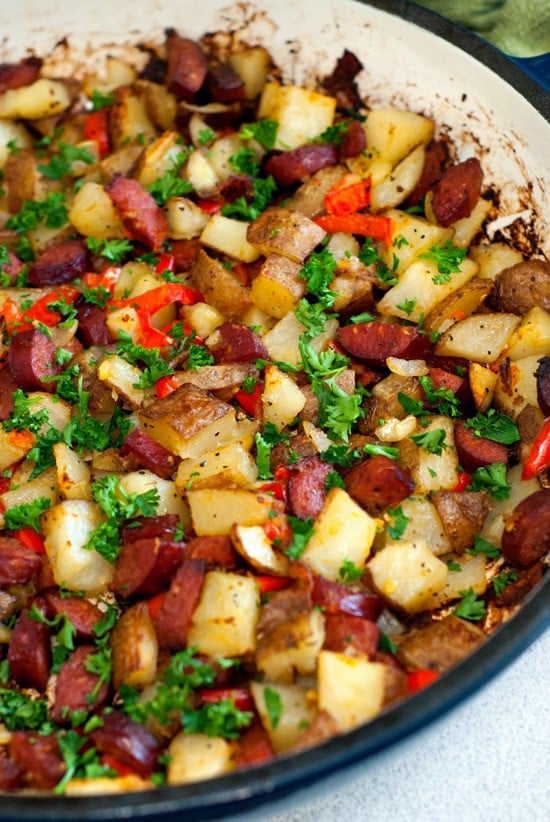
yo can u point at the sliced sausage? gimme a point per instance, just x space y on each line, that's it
29 652
177 608
543 385
128 741
457 192
184 252
92 325
451 382
437 155
60 263
7 387
11 776
216 551
146 566
306 487
149 454
31 359
76 688
378 483
295 165
38 757
238 185
187 67
82 614
374 342
237 343
476 452
463 514
142 217
162 525
526 536
523 286
354 141
18 564
16 75
345 633
13 268
337 598
253 746
341 82
224 84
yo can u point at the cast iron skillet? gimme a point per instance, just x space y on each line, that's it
241 791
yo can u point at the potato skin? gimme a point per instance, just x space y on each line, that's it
187 410
134 648
220 287
462 514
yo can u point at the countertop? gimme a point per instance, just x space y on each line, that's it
488 759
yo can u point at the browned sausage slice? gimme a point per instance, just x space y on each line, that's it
29 652
60 263
437 154
216 551
343 632
162 525
146 566
39 758
526 536
354 141
139 212
92 326
457 192
149 454
341 82
128 741
295 165
543 385
225 85
253 746
337 598
18 564
82 613
16 75
476 452
374 342
174 619
306 487
378 483
187 67
184 252
31 358
11 777
7 387
237 343
451 382
77 689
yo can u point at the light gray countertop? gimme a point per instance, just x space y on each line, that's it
489 760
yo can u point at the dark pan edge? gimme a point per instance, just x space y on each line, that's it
241 791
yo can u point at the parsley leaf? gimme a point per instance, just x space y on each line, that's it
349 572
453 566
333 134
113 250
407 306
273 706
443 399
494 426
432 441
470 607
481 546
333 480
374 449
52 211
240 209
341 455
19 712
265 441
26 515
245 162
206 135
220 718
198 357
61 164
23 417
302 530
400 522
101 100
313 317
491 478
318 272
81 759
387 645
64 638
169 184
448 257
504 579
263 131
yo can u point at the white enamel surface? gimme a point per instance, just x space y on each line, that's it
404 65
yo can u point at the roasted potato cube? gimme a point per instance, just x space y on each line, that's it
298 710
300 113
215 510
220 287
282 400
392 133
408 574
73 473
531 337
229 465
291 647
481 337
43 98
252 65
280 231
122 378
278 287
229 237
134 648
482 385
194 757
253 544
440 645
350 689
128 119
93 214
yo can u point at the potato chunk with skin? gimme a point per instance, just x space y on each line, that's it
342 531
194 757
282 400
301 114
134 648
291 647
40 99
350 689
280 231
278 287
229 465
220 287
481 337
224 622
93 214
408 575
298 710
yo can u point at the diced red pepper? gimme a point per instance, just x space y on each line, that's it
277 528
30 539
149 336
417 680
167 262
96 127
155 604
282 473
349 195
165 386
268 583
209 206
464 479
278 490
39 312
4 484
250 402
110 761
107 279
241 697
539 456
366 225
156 298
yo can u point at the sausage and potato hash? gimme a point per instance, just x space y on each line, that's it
273 446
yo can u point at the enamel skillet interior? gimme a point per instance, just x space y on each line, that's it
244 790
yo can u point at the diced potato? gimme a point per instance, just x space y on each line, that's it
416 288
252 65
342 531
253 544
122 378
124 320
432 472
195 757
393 133
185 218
200 173
229 465
516 386
147 281
16 135
43 98
395 188
204 318
106 785
291 647
220 152
412 235
481 337
128 118
471 575
520 489
282 341
280 231
494 257
300 113
316 436
458 305
220 287
121 161
115 73
73 473
215 510
395 430
24 490
14 447
278 287
224 621
159 157
424 523
482 385
282 400
161 104
170 502
350 689
130 275
342 246
59 411
532 337
467 228
229 236
309 198
93 214
134 648
22 180
298 710
408 574
67 527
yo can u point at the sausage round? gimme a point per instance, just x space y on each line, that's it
374 342
238 343
128 741
476 452
295 165
29 652
174 619
31 359
378 483
306 487
60 263
543 385
457 192
39 758
92 326
187 67
76 687
526 536
18 564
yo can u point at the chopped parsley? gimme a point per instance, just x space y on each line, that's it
470 607
349 571
453 566
206 135
318 272
448 258
432 441
482 546
265 441
399 522
101 100
494 426
341 455
273 706
61 163
23 417
113 250
245 162
333 480
263 131
334 134
504 579
169 184
386 644
302 530
491 478
198 357
442 399
375 449
407 306
26 515
52 211
64 638
23 713
263 192
220 718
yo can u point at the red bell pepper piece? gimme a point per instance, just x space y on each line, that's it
282 473
349 195
250 402
241 697
464 479
268 583
155 604
417 680
165 386
167 262
209 206
539 456
107 279
96 127
278 490
40 312
30 539
366 225
156 298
